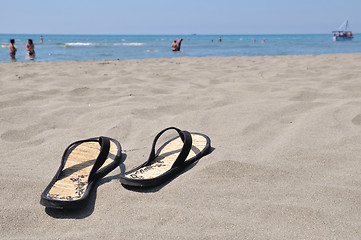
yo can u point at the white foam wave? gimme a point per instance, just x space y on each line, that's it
103 44
133 44
79 44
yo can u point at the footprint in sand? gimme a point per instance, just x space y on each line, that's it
357 120
23 135
83 91
305 97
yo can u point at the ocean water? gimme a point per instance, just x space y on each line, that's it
100 47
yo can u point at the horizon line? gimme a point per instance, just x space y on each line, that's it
168 34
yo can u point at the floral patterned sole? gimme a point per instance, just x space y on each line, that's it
73 182
155 173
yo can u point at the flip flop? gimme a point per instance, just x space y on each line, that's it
79 172
171 158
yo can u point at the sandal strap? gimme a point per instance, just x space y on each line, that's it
104 143
103 155
187 145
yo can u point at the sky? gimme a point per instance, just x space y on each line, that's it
177 17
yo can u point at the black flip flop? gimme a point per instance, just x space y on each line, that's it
171 158
79 171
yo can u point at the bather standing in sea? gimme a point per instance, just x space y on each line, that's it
30 48
179 44
12 49
174 46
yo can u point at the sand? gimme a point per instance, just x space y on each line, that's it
286 133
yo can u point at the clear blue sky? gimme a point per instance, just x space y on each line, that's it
177 17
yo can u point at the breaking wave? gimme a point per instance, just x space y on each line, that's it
80 44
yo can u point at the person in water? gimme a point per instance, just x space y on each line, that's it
30 48
220 39
179 44
174 46
41 39
12 49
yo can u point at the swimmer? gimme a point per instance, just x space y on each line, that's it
30 48
41 39
219 39
179 44
174 46
12 49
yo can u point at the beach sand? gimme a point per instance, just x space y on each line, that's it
286 133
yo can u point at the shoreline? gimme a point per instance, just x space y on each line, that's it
174 58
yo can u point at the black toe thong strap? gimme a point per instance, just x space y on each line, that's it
104 143
187 145
103 155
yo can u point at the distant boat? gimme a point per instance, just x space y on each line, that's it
342 34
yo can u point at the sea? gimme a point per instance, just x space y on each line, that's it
106 47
